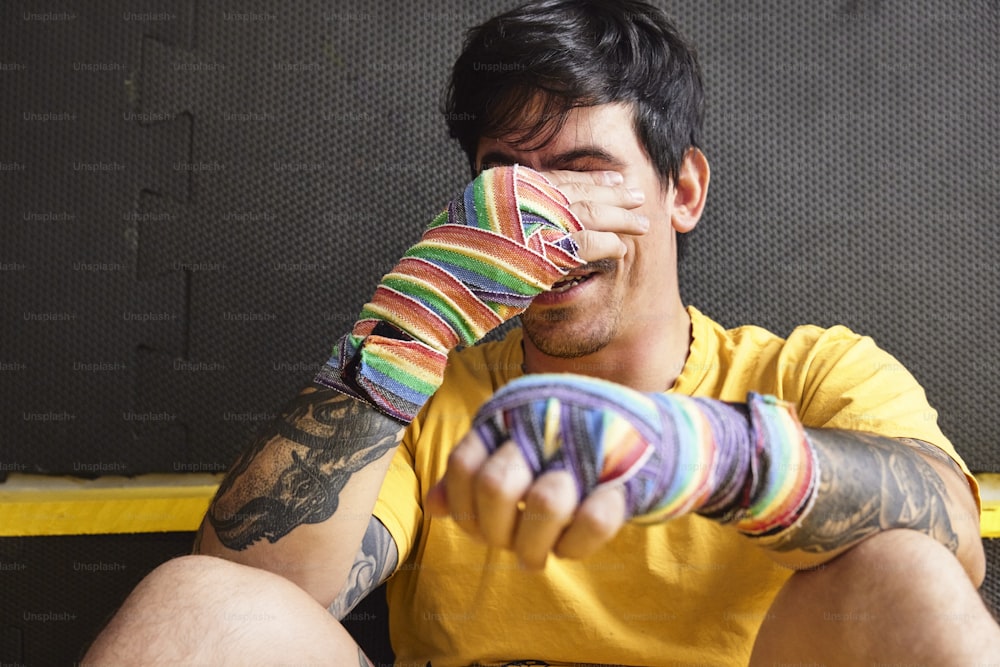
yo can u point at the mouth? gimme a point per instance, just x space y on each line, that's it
571 281
575 283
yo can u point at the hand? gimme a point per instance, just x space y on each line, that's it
604 206
557 462
511 236
498 500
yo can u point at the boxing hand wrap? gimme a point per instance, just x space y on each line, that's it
477 265
750 465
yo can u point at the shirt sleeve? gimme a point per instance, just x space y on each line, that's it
845 381
398 505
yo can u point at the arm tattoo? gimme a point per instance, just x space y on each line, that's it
870 484
376 560
298 465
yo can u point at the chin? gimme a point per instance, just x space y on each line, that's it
577 322
555 335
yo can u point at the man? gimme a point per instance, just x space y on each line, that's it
621 481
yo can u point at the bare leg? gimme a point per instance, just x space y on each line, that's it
200 610
899 597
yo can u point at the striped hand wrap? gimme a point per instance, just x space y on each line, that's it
478 264
751 465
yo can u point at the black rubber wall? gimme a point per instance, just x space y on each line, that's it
197 197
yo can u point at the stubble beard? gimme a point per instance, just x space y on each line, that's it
570 332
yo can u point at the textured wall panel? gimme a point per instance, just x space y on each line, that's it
197 197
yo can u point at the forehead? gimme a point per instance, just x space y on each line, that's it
595 137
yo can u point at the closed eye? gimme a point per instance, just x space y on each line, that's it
494 159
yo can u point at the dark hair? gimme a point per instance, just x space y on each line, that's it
562 54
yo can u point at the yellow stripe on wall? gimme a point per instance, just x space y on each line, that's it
33 505
989 492
45 505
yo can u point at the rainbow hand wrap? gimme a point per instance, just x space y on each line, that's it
751 465
477 265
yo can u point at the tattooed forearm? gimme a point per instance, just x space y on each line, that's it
298 465
375 561
870 484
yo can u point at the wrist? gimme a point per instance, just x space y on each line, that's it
387 369
782 483
764 467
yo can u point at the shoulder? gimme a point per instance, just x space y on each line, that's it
835 376
838 351
802 337
805 347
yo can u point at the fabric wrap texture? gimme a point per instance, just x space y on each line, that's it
751 465
478 264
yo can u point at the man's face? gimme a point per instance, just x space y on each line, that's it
618 299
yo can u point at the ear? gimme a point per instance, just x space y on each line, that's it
690 191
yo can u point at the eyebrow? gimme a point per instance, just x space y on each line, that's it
560 161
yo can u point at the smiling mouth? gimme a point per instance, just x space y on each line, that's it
569 282
584 273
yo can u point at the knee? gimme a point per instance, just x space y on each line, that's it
904 566
213 608
207 586
903 562
866 597
184 568
196 569
196 592
194 579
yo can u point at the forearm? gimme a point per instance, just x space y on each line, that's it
869 484
298 501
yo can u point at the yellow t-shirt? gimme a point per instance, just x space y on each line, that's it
688 591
